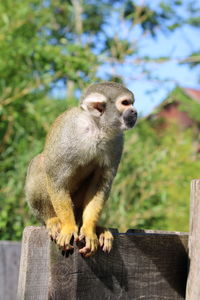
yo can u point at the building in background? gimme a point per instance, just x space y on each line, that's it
181 108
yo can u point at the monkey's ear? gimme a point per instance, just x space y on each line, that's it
95 103
95 108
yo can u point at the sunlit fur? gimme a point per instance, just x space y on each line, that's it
69 182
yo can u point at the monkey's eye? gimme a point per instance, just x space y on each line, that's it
125 102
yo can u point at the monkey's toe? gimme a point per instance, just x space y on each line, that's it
54 226
63 240
106 240
91 244
65 236
85 251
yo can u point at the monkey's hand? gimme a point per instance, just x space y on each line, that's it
105 239
53 226
65 236
91 242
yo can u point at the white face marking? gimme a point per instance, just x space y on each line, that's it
128 102
125 97
95 97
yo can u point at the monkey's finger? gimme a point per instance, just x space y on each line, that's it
110 242
81 237
107 245
63 239
53 233
84 250
76 237
94 245
68 247
89 254
101 240
88 243
58 226
50 234
53 238
68 238
60 240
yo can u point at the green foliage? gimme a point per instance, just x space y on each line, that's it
31 56
43 43
23 139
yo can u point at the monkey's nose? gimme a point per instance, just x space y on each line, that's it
130 117
134 113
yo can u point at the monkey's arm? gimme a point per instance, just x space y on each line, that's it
62 205
94 201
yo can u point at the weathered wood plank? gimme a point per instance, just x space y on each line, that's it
193 284
34 262
9 269
142 265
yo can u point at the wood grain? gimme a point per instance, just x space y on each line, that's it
193 284
9 269
142 265
34 265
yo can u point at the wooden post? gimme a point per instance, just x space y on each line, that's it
9 269
193 283
34 265
142 265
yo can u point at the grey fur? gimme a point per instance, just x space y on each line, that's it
78 146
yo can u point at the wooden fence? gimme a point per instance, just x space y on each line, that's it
143 264
9 269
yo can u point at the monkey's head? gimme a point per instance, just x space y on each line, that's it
111 105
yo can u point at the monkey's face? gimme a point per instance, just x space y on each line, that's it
111 105
126 110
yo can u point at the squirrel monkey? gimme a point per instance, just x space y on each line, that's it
69 182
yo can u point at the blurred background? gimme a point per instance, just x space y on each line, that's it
51 50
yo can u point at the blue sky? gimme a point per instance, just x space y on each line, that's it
149 92
177 45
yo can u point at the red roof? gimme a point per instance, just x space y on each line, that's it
192 93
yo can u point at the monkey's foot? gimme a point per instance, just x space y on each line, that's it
91 242
54 226
65 236
105 239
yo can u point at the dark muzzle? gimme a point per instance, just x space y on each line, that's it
130 117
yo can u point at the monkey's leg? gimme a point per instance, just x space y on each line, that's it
38 198
41 206
43 210
62 205
48 216
105 238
